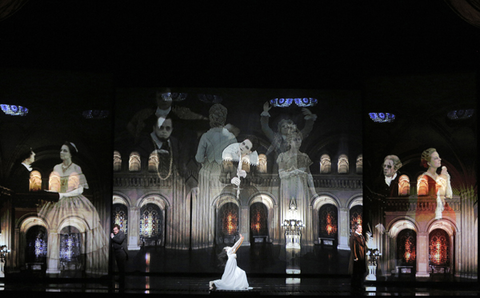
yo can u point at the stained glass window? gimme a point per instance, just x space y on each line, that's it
70 248
439 248
328 221
229 219
120 216
36 244
356 213
150 221
258 219
406 247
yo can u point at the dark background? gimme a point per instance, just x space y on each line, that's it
320 44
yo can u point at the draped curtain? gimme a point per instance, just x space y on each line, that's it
468 10
9 7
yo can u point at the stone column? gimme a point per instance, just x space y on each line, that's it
53 253
343 234
422 255
133 228
245 224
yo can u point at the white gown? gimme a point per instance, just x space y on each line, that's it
233 277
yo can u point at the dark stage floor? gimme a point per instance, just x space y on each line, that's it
174 273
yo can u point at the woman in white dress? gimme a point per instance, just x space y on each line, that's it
73 209
233 277
434 184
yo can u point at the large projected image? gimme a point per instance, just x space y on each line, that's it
55 175
420 176
195 168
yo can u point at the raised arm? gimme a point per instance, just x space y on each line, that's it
237 244
264 119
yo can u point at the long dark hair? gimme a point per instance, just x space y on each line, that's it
222 258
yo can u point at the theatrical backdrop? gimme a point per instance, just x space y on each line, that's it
420 174
193 168
55 212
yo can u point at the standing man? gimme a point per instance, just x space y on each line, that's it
357 255
118 245
20 179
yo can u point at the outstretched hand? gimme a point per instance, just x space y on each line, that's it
266 106
306 112
444 172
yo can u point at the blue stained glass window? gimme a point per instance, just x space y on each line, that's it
382 117
36 244
70 247
150 221
460 114
14 110
282 102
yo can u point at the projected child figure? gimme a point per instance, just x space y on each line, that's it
285 127
241 153
73 209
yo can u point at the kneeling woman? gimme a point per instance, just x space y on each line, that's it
233 277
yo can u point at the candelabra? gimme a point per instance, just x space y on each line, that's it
293 232
3 257
373 255
3 253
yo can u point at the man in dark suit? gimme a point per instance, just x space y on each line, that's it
169 152
119 251
187 122
387 185
357 255
20 178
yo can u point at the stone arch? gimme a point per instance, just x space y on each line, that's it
74 221
222 230
396 226
156 199
125 201
24 224
316 204
120 199
451 230
400 224
354 201
30 220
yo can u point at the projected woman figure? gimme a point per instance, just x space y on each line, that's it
73 209
296 179
433 184
233 277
